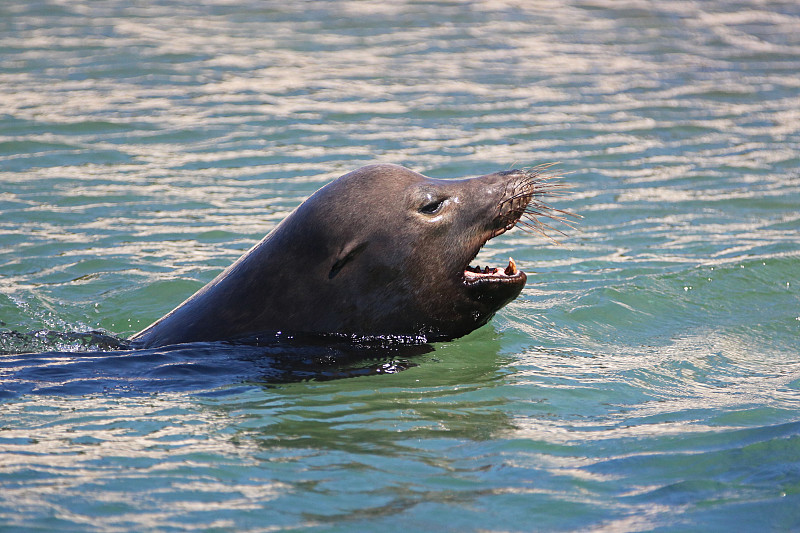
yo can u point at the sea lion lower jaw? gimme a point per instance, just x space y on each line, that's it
385 252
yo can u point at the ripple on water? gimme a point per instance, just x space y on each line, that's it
647 378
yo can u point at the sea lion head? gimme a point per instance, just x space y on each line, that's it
379 252
392 250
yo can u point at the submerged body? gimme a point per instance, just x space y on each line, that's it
380 251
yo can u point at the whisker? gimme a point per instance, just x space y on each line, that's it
525 210
534 228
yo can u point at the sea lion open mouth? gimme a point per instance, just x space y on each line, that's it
510 274
386 252
522 202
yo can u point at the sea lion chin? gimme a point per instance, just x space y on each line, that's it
381 251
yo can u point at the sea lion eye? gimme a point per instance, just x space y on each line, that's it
433 206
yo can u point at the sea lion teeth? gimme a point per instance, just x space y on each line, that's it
511 269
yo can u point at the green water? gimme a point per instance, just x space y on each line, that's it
648 377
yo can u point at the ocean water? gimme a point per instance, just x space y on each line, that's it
647 378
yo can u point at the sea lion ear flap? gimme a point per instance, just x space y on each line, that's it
349 256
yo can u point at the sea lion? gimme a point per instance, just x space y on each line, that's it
380 251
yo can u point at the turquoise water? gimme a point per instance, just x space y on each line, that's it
648 377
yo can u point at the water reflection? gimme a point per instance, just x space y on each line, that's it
119 369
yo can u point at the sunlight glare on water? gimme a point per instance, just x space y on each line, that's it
648 377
